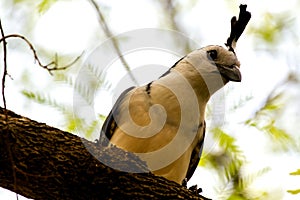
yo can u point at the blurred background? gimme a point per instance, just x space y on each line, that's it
253 154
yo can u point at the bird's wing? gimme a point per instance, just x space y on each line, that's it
110 124
195 157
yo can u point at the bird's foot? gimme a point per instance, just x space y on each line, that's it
195 189
184 182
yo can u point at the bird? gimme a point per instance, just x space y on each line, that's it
163 122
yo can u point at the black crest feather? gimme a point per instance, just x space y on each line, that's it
238 27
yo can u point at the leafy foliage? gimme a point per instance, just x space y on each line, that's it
44 99
265 121
228 162
271 28
85 89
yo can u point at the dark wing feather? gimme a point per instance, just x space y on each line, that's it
110 125
195 157
174 65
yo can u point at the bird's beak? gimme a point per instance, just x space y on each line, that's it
231 73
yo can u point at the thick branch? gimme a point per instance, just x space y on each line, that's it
52 164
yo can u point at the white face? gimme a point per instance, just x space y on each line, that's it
216 65
226 62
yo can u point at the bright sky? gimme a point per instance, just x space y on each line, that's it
71 26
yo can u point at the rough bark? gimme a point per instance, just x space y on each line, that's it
42 162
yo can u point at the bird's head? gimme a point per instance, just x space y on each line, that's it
216 63
225 61
208 69
216 66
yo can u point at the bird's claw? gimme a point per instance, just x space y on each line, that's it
195 189
184 182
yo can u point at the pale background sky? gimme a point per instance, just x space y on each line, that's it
69 27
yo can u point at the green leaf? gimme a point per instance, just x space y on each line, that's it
90 81
44 99
271 107
251 122
19 1
267 112
271 27
227 142
236 197
232 169
277 133
295 173
297 191
45 5
92 128
65 78
247 180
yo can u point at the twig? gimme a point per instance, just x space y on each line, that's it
36 58
115 43
170 9
5 67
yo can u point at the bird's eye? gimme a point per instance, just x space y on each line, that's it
212 54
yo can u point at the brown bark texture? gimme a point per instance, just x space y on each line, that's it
42 162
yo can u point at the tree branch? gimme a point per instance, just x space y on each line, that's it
115 43
5 130
53 164
36 58
5 64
